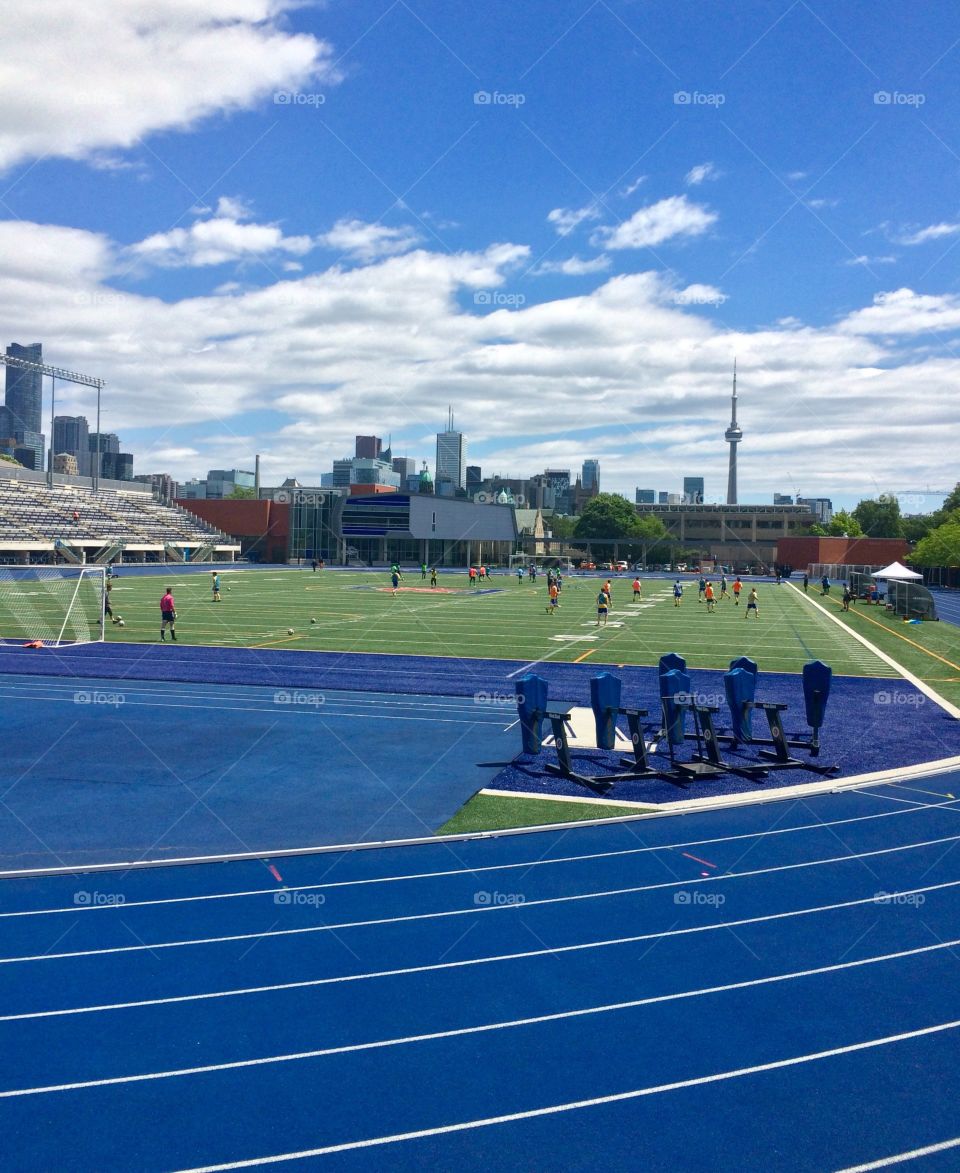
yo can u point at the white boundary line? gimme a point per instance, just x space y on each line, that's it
459 1032
748 798
899 1158
914 680
576 1105
785 793
913 806
444 914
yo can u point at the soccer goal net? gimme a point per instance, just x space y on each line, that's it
55 604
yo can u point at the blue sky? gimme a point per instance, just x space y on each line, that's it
271 225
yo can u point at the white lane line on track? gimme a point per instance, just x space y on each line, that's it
488 908
484 1028
527 865
578 1105
899 1158
316 982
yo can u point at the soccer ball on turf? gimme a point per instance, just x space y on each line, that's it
120 623
229 588
289 631
313 620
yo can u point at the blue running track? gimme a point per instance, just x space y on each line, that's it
772 987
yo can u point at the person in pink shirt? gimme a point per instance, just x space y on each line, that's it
168 615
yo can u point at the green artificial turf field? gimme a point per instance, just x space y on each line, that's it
357 612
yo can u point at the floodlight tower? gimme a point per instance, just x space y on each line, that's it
733 435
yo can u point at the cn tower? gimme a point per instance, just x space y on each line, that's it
733 435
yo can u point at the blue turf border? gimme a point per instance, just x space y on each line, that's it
872 723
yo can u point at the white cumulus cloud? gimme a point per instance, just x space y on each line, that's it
218 240
674 216
89 78
573 266
565 220
365 242
933 232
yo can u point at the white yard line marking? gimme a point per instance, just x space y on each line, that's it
917 683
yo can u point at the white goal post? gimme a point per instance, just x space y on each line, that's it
55 604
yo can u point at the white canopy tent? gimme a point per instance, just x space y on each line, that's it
898 571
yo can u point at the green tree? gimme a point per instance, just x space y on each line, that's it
560 525
918 525
941 547
953 500
241 494
609 515
880 518
844 524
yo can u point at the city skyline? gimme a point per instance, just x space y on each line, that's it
573 266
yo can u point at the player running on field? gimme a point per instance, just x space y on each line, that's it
433 576
752 604
519 576
677 592
737 588
702 590
637 590
723 587
395 580
554 603
215 586
708 594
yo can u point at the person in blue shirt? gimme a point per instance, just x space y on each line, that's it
677 592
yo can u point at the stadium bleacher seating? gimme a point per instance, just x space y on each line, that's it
35 513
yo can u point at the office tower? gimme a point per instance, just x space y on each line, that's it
71 434
24 389
693 490
451 457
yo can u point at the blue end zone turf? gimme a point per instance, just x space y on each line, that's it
871 724
96 771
